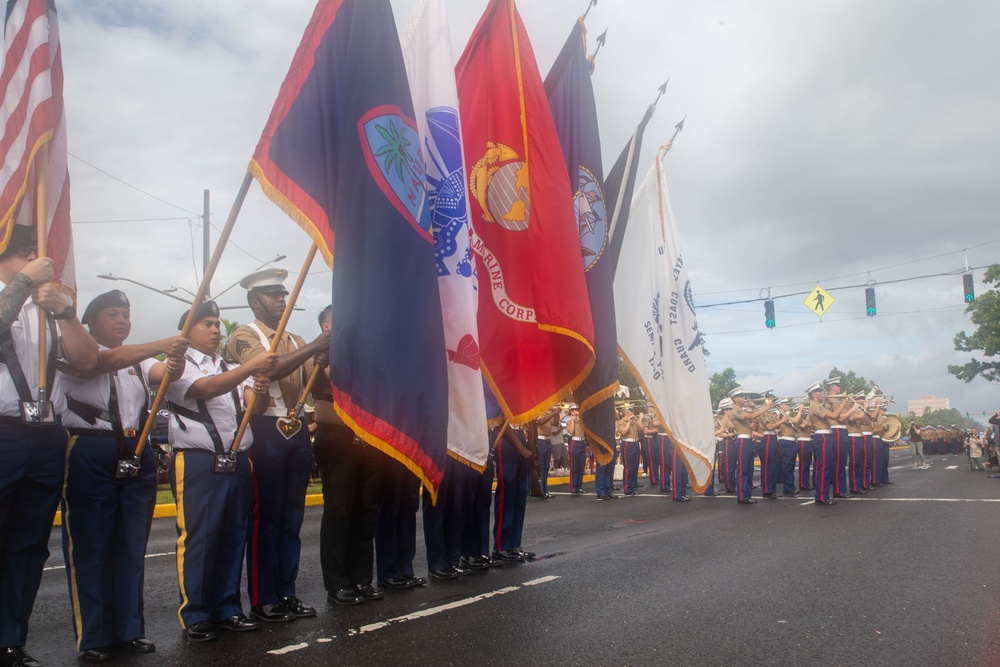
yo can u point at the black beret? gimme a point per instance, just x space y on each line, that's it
206 309
22 236
113 299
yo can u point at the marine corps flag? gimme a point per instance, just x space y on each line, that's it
34 177
571 99
657 329
340 154
430 67
535 324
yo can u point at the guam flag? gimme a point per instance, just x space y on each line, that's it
535 325
571 98
341 155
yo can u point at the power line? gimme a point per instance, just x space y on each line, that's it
101 222
939 309
137 189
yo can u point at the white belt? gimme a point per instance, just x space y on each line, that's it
742 436
838 426
866 433
786 437
769 432
629 440
854 435
822 430
804 439
578 439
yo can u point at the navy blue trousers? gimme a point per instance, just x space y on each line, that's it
630 466
105 527
443 522
604 478
870 455
655 458
544 461
396 527
744 467
787 451
212 513
882 460
477 496
281 470
805 463
856 478
31 478
841 459
824 456
732 464
577 460
511 497
666 461
769 463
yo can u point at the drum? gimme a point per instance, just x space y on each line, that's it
895 429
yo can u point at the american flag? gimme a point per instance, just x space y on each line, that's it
34 130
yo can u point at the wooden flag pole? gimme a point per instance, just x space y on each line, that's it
41 214
278 333
199 297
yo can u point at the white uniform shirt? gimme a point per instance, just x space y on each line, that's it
220 408
97 390
24 330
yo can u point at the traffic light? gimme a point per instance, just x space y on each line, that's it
970 292
769 313
870 301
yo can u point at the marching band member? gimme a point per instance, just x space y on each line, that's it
856 427
880 426
630 432
577 450
823 449
728 431
768 451
742 417
107 505
803 441
840 411
787 449
652 444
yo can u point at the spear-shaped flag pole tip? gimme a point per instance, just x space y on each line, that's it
590 4
661 91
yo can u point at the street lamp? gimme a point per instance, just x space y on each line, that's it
276 259
109 276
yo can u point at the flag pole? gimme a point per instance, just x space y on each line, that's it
41 167
189 322
278 333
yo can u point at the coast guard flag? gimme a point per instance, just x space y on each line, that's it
430 67
340 154
657 329
571 99
34 131
535 324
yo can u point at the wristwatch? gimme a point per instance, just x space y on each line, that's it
68 313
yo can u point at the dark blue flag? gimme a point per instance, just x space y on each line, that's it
571 99
341 155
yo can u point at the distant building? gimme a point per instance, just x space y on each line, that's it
920 405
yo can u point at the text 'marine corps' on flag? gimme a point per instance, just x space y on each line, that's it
657 329
571 99
34 131
430 67
340 153
535 324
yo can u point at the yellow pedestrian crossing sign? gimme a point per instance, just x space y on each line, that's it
819 301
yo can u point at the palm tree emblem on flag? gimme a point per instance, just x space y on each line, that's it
506 201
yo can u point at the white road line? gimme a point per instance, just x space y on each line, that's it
423 613
951 467
542 580
63 567
288 649
927 500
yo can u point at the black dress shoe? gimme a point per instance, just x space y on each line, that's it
525 555
141 645
746 502
271 613
476 563
345 596
295 605
824 502
461 570
887 482
101 654
808 488
16 656
444 573
771 496
202 631
511 555
239 623
369 592
859 492
682 499
792 493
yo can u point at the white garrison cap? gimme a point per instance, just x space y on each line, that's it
725 404
833 381
815 386
268 281
738 391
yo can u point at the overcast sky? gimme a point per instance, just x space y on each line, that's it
827 142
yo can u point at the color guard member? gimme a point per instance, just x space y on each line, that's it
32 442
212 486
282 461
107 504
510 499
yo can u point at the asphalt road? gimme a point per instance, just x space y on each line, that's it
902 576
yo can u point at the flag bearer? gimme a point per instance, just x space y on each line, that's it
107 502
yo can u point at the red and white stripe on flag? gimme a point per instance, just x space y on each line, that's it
34 127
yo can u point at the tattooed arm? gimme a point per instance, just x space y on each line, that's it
21 278
12 298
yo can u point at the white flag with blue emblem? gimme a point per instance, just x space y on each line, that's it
657 329
430 67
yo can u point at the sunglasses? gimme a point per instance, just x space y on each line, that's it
26 251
